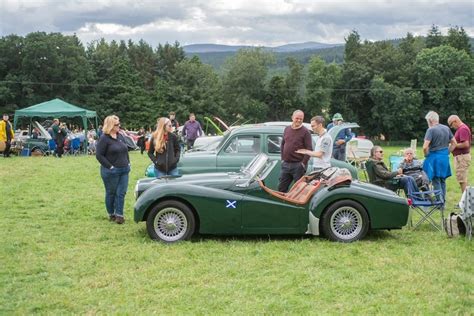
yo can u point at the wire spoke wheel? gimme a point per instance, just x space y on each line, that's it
170 221
346 222
170 224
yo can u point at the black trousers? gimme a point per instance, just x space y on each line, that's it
190 143
290 171
6 151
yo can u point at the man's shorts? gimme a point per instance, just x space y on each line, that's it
462 163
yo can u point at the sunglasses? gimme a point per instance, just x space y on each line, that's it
117 124
380 151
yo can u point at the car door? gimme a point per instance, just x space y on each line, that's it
238 151
262 214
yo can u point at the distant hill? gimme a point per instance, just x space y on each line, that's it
216 55
211 48
216 48
331 54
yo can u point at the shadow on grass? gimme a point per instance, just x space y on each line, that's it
202 238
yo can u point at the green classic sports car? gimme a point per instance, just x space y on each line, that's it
240 145
234 203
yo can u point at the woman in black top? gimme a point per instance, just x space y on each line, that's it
112 153
164 149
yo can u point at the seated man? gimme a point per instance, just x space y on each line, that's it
387 179
413 167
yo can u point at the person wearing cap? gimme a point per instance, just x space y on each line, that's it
6 134
339 147
462 150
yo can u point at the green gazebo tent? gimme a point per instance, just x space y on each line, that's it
54 109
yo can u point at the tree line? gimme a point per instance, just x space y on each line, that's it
386 88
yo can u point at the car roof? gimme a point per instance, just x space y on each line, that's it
258 128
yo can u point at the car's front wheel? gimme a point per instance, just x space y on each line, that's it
170 221
345 221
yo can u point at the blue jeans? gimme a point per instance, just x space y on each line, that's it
339 153
116 184
173 172
409 185
440 184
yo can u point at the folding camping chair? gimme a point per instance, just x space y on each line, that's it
467 207
51 146
426 203
395 161
369 168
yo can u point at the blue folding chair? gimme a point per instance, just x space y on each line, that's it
426 203
51 146
75 146
394 161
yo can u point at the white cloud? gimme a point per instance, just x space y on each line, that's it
249 22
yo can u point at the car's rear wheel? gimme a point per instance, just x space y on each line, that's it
37 152
345 221
170 221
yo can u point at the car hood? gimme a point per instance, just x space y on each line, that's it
218 180
42 131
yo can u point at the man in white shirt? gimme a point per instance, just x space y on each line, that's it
323 150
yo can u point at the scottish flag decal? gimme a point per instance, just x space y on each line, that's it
231 204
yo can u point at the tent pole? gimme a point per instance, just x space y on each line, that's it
84 122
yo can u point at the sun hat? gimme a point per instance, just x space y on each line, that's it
337 117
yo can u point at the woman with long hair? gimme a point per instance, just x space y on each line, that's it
112 153
164 149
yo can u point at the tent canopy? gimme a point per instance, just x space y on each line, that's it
55 108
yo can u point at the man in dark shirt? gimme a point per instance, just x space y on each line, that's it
462 150
293 165
192 130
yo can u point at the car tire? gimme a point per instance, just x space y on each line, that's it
345 221
36 152
170 221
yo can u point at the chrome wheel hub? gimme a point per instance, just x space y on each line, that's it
346 222
170 224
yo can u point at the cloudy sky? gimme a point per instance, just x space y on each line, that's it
233 22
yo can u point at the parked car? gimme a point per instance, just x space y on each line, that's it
325 203
242 144
35 146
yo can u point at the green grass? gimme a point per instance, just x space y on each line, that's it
59 254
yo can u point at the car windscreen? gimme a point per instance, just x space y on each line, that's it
223 140
256 165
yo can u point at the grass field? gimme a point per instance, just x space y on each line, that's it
59 254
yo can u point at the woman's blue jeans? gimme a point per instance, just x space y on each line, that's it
116 184
173 172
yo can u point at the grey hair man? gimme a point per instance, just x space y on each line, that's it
438 142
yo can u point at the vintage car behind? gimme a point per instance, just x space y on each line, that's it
233 203
240 145
34 146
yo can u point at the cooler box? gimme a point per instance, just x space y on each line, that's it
25 152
